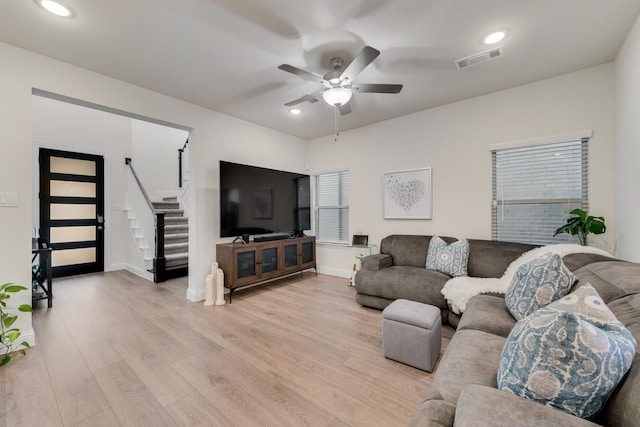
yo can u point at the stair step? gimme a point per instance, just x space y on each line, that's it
176 229
171 199
171 212
176 238
165 205
176 220
176 248
175 260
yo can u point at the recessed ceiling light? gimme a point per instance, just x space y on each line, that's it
56 8
494 37
295 111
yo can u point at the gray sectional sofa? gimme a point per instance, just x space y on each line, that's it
398 271
464 391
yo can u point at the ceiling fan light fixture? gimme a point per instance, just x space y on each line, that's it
337 96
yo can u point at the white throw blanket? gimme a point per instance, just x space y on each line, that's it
459 290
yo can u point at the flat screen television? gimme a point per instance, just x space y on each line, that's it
256 201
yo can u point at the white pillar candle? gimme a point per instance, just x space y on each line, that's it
209 291
219 287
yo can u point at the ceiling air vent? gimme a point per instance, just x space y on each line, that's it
478 58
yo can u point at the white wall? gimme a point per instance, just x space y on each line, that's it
627 177
215 136
155 156
454 141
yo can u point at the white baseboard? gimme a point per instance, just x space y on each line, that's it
195 295
29 337
338 272
138 272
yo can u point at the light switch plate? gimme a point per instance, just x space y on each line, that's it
8 200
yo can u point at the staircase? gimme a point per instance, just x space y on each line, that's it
176 237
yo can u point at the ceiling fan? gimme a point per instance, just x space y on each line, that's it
339 84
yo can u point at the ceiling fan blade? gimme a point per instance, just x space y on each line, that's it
304 74
359 63
306 98
377 88
344 109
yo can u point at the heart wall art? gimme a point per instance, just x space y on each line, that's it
407 194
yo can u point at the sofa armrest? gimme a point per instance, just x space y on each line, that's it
376 262
486 406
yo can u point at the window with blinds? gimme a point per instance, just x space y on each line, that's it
535 188
303 203
332 207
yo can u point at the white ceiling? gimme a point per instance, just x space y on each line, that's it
223 54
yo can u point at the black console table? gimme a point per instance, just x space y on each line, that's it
42 284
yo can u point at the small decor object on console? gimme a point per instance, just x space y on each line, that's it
537 283
446 258
569 355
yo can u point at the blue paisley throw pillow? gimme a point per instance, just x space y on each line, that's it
448 259
538 283
569 355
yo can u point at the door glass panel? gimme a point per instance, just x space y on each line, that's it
65 211
73 234
246 264
290 255
73 189
73 256
73 166
269 260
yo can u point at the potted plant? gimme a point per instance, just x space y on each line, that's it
582 224
8 334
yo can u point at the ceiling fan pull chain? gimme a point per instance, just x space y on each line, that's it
337 121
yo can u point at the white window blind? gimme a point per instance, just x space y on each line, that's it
535 188
332 207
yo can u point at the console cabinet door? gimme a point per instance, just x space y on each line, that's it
269 262
307 254
246 266
291 257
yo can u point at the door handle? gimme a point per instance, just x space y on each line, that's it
100 219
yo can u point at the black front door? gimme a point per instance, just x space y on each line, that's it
72 210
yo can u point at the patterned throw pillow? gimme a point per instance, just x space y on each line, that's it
448 259
538 283
569 355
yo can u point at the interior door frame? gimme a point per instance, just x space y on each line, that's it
45 200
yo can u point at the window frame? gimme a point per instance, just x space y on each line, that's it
343 230
498 200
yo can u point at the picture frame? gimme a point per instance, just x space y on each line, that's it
262 204
408 194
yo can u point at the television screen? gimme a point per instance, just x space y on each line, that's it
256 201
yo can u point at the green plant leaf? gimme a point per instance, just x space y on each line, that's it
25 308
14 288
25 344
9 319
5 360
14 336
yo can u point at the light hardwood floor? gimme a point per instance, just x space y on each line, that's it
118 350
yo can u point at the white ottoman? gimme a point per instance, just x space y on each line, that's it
411 333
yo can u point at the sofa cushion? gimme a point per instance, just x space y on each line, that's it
447 258
396 282
569 355
487 313
491 258
538 283
409 250
483 406
471 358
